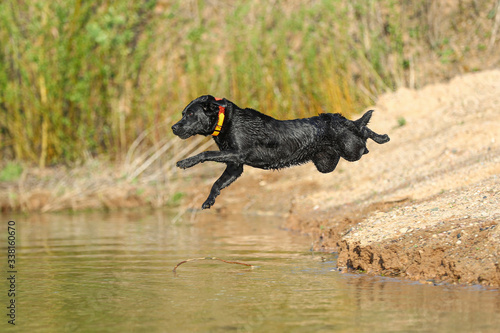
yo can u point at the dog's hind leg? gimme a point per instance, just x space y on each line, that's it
368 133
232 172
378 138
325 161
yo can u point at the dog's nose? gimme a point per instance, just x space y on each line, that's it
174 127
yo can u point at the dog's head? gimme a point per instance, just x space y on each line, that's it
199 117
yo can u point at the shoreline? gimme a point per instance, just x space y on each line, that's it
424 207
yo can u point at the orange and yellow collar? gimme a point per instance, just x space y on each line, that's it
220 121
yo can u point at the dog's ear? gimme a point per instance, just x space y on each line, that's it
220 102
203 99
211 104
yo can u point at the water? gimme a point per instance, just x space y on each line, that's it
113 273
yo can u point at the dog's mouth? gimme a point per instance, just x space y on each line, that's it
181 134
184 136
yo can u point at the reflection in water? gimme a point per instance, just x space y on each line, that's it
113 272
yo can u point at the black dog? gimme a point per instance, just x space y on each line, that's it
246 136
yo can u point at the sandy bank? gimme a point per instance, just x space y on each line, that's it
424 206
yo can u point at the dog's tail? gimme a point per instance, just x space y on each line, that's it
364 120
368 133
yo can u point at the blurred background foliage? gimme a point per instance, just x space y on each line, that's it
86 78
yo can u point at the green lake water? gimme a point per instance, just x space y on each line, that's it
113 273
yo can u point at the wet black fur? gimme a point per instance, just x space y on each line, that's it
252 138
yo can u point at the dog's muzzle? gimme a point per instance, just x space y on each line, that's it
180 132
175 129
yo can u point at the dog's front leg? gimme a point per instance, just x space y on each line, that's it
232 172
226 156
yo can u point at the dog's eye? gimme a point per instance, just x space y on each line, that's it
190 114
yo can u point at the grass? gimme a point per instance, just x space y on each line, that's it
85 79
67 72
401 121
94 185
11 172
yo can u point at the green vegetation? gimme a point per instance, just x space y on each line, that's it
86 78
401 121
67 74
11 172
176 197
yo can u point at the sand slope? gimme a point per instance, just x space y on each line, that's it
425 206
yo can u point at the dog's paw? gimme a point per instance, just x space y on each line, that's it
385 138
186 163
208 203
